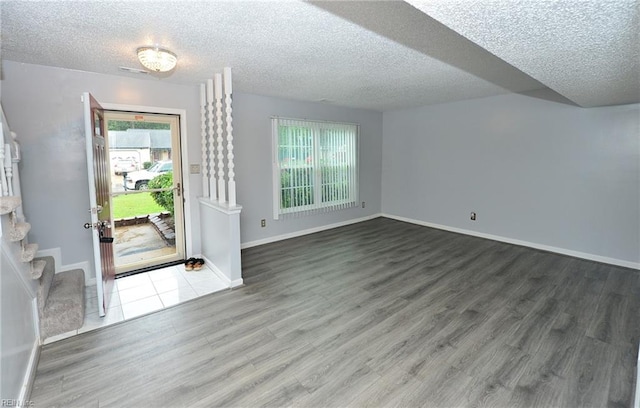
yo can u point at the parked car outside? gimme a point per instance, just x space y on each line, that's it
124 165
139 180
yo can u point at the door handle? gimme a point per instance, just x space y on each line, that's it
100 225
178 189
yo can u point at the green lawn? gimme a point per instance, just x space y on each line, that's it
132 205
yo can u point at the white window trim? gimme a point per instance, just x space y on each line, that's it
350 202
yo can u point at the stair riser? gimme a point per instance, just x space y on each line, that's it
19 231
29 252
37 267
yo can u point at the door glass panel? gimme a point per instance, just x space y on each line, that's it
145 175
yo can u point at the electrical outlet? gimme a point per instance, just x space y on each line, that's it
194 168
363 204
473 216
263 223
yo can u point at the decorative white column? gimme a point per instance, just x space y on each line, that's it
214 184
220 213
219 147
230 156
203 125
211 162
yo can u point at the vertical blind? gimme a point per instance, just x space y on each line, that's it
315 166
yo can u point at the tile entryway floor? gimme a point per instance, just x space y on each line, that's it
144 293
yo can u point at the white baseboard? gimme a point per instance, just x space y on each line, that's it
307 231
215 269
30 374
220 274
236 283
563 251
56 254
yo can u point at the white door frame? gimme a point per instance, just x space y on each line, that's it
184 159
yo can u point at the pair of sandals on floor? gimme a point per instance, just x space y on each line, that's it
193 264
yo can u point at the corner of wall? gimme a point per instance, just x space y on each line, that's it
557 250
56 254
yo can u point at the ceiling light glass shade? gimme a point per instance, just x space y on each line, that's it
157 59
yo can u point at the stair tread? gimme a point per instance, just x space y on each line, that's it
64 310
19 231
9 203
29 252
37 267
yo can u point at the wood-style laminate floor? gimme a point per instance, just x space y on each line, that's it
380 313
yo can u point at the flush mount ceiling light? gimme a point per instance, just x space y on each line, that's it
157 59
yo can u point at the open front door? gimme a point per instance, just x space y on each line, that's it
99 199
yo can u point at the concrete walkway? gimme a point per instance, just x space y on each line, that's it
135 243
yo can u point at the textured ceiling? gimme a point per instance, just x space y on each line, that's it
586 50
374 55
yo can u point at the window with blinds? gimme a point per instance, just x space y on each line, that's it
315 166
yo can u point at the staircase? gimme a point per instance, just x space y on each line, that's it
60 296
60 300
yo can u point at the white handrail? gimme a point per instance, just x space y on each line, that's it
8 149
8 168
9 159
3 177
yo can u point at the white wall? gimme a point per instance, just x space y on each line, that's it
533 170
221 243
252 130
43 107
18 337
